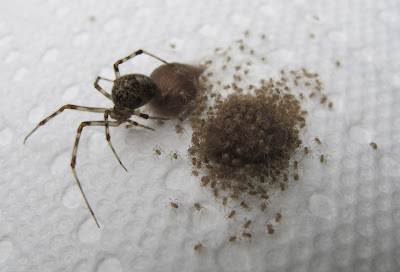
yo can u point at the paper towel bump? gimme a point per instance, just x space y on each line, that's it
391 78
70 93
396 218
349 163
57 241
6 250
348 179
109 264
60 163
396 256
384 202
208 30
35 114
344 234
343 255
323 242
230 258
240 19
62 11
176 178
337 37
51 55
365 208
318 262
389 16
301 250
82 266
5 40
6 136
113 24
364 247
88 233
81 39
359 134
149 239
283 56
383 221
321 206
20 74
72 197
389 166
366 191
12 56
365 226
277 258
383 262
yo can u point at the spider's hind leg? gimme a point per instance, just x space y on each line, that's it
75 151
108 137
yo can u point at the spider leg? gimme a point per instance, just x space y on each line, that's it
117 75
101 90
74 153
108 137
137 125
146 116
68 107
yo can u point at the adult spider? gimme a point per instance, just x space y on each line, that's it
128 93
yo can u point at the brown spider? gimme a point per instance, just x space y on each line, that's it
129 92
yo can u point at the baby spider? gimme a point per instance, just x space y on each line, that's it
179 129
157 151
245 206
319 142
232 214
128 93
198 248
174 155
198 206
270 229
278 217
233 238
174 204
247 224
307 151
246 235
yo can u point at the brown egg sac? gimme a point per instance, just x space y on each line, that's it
178 85
250 136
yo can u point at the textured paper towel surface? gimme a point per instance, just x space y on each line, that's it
342 216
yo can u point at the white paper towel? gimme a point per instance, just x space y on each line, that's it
341 216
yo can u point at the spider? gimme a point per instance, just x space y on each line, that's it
129 92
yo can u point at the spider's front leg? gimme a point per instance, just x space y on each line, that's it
60 110
101 90
140 51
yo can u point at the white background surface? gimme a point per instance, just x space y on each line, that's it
343 216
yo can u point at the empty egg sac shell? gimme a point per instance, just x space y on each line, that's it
178 85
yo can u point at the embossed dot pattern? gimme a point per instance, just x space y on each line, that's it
343 215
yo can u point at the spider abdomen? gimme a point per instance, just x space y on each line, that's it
133 91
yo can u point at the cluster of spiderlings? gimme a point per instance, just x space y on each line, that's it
246 138
247 142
